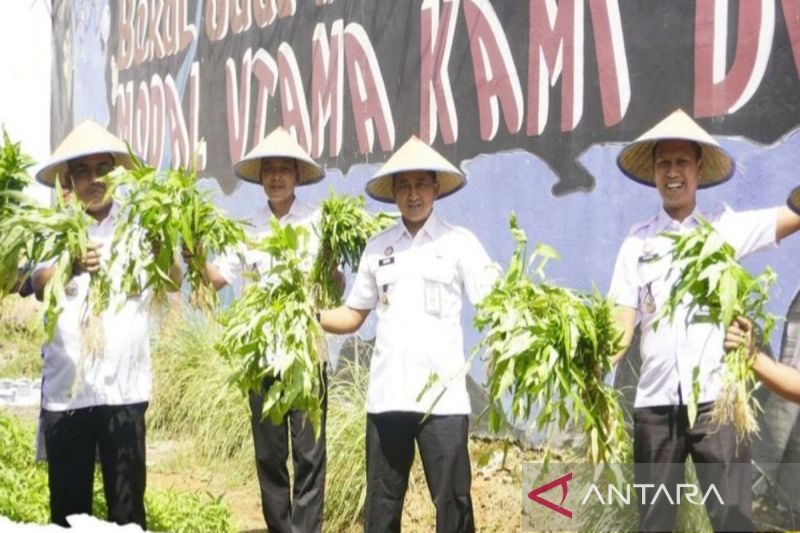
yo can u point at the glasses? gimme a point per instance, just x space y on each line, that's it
85 172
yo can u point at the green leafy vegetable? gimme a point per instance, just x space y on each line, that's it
711 281
159 213
345 228
272 331
549 347
32 234
14 176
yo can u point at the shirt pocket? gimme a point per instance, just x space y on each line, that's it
441 291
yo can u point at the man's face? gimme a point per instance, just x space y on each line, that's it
677 171
279 178
414 193
83 177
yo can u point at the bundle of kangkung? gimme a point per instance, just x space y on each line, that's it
711 280
549 348
271 331
162 212
344 229
59 235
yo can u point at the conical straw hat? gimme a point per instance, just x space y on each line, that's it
636 159
794 200
415 155
87 138
279 143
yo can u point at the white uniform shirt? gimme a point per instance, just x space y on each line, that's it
417 285
234 264
121 375
244 262
672 350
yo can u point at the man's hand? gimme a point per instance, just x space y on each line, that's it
90 261
740 334
189 255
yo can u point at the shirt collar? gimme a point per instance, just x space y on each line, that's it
666 222
111 217
433 228
298 209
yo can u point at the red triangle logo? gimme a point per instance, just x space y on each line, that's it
535 495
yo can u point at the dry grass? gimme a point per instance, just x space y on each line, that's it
21 337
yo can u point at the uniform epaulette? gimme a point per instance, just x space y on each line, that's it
639 226
382 232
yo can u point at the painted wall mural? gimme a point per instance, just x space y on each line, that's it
532 98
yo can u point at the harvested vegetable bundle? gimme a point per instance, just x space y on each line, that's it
13 174
345 228
272 331
712 281
35 235
550 347
160 212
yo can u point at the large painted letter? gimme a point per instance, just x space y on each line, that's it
367 91
141 121
791 14
178 132
238 105
264 11
718 92
327 88
125 33
177 31
496 79
216 16
612 62
123 105
294 108
265 70
555 49
241 15
158 121
436 96
198 145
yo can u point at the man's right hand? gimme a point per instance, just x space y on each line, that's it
740 334
90 261
188 255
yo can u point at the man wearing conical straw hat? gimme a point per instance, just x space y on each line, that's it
414 275
280 165
98 400
677 157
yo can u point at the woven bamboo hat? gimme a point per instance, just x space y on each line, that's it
88 138
794 200
636 159
415 155
279 143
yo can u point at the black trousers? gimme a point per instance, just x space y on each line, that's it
663 440
301 511
71 439
442 442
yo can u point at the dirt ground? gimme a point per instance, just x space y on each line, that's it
496 490
496 487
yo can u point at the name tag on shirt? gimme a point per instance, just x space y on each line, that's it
433 297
